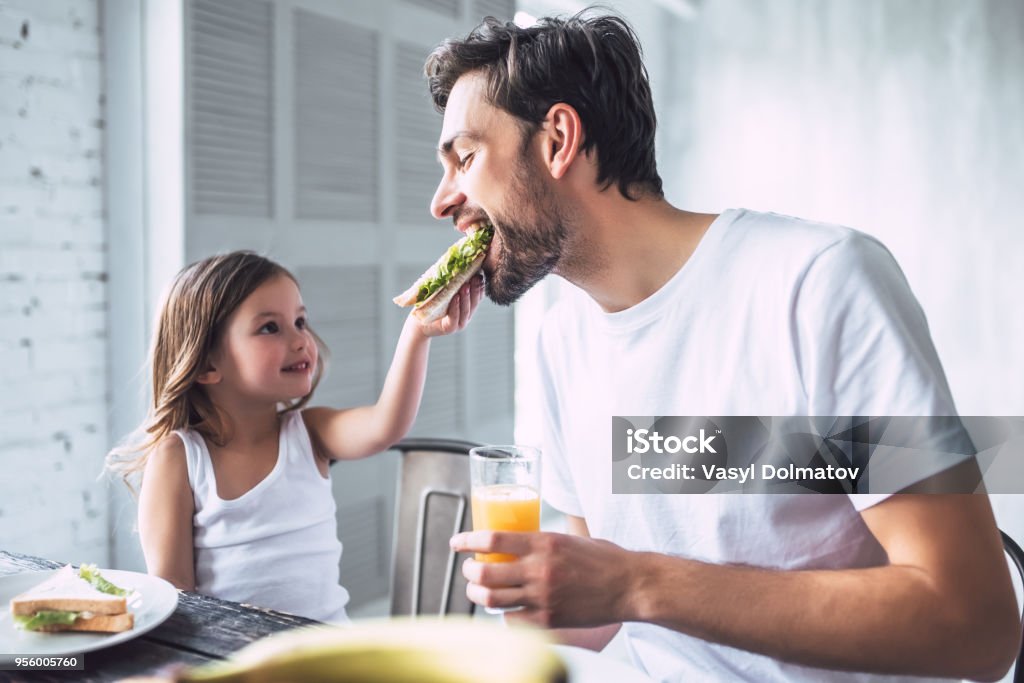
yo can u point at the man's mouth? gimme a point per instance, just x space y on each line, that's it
466 227
297 367
480 223
490 260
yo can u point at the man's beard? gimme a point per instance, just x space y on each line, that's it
532 236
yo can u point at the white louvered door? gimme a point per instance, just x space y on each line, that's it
231 123
310 137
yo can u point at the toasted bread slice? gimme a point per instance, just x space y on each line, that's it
435 306
483 234
66 592
408 297
101 623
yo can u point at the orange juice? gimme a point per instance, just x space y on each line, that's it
505 507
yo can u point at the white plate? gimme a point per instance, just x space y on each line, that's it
152 600
587 666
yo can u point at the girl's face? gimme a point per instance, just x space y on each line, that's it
266 351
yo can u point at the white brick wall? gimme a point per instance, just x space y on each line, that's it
53 294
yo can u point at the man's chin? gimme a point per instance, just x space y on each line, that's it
506 283
502 292
495 290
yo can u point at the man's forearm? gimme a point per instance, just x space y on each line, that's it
888 619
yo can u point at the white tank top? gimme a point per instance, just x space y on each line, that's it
276 545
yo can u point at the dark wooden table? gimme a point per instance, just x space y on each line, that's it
201 629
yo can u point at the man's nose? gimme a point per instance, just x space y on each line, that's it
447 198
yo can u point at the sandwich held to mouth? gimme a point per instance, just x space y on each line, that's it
73 601
434 290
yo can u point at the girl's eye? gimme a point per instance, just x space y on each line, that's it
464 161
300 324
269 328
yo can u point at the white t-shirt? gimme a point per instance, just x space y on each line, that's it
276 545
771 315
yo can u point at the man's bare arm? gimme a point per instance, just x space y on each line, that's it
944 605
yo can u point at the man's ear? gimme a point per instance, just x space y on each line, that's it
563 136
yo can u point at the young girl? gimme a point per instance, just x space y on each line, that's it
236 497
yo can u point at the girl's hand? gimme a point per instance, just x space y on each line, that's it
460 310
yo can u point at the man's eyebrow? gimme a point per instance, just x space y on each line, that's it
446 147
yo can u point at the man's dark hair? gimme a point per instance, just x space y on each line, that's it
593 63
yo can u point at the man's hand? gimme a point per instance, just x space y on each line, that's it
560 580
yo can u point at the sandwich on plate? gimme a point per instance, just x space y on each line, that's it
433 291
73 600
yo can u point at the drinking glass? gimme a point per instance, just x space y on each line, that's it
505 494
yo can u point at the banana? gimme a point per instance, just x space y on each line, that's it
424 650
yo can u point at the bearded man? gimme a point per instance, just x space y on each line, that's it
548 133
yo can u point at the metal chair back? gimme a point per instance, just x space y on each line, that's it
433 504
1017 557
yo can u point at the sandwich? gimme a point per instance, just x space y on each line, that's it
73 600
433 291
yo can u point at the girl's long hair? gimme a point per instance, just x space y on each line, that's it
200 301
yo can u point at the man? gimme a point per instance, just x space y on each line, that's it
549 133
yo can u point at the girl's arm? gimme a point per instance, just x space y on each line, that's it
359 432
165 515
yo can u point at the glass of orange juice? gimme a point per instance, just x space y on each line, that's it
505 493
